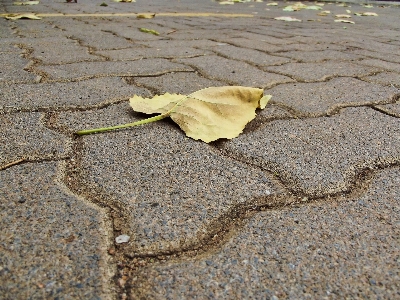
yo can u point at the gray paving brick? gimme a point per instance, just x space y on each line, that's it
68 50
234 72
23 136
378 55
385 65
156 66
171 187
140 53
53 243
319 98
391 109
254 57
316 56
70 94
12 68
325 250
321 156
180 83
385 78
322 71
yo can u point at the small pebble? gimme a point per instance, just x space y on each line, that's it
122 239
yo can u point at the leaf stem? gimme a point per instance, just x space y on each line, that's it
141 122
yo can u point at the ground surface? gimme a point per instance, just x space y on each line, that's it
303 205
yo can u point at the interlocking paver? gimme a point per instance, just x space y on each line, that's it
321 156
385 78
180 83
325 250
389 66
154 66
234 72
23 136
391 109
66 94
53 243
323 70
318 98
315 56
172 187
12 68
254 57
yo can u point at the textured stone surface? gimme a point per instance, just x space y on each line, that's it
79 93
171 186
310 99
320 156
385 78
323 70
325 250
316 56
389 66
234 72
180 83
52 243
23 135
156 66
12 68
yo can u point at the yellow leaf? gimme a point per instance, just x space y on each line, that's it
272 4
344 21
342 16
145 16
207 115
22 16
369 14
26 3
287 19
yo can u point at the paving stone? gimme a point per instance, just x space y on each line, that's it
234 72
385 78
149 67
193 43
53 243
254 57
340 249
12 68
323 70
391 109
32 30
23 136
388 66
140 53
246 43
321 156
316 56
170 186
265 38
79 93
319 98
309 47
379 55
68 50
180 83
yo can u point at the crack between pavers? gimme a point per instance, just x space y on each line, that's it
34 159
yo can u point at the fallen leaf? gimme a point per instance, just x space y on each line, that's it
287 19
145 16
208 114
368 14
226 2
319 3
22 16
324 13
26 3
103 4
272 4
344 21
124 0
149 31
343 5
368 5
348 11
342 16
313 7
